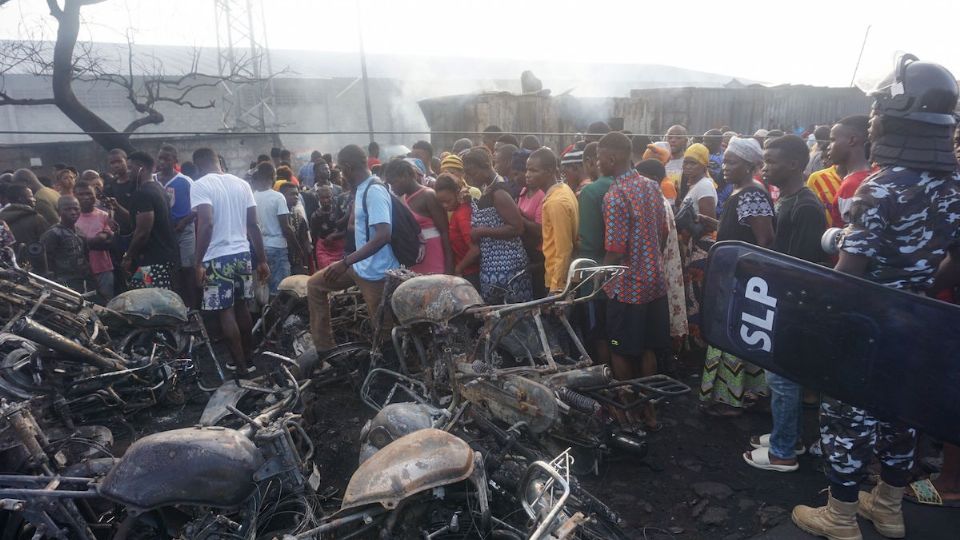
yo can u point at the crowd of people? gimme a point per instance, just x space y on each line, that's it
509 215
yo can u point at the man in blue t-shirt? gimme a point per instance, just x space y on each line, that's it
367 266
182 217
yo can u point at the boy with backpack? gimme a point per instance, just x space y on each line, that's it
385 234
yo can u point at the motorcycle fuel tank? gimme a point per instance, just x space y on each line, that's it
150 307
420 461
434 299
295 285
393 422
211 466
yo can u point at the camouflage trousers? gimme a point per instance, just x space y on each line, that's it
851 436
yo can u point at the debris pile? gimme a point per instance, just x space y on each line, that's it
483 416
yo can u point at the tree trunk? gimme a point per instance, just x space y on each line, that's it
100 131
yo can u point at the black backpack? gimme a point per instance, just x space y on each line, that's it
405 238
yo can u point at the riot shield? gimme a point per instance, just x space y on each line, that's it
894 353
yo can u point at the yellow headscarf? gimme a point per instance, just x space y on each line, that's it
699 153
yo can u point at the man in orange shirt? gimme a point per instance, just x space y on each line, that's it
560 217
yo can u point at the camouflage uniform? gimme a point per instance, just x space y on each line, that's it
903 220
849 438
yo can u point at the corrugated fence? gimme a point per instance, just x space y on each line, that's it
645 111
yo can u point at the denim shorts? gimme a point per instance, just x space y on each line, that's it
187 242
278 259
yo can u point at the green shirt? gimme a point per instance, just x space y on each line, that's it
591 219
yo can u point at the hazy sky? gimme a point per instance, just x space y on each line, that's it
775 41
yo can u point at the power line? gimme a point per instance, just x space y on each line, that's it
287 132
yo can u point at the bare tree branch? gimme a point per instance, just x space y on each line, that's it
142 76
55 9
7 100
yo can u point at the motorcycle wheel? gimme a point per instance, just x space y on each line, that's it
16 370
141 342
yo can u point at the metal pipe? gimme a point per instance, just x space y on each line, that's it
336 524
34 331
26 492
547 352
584 355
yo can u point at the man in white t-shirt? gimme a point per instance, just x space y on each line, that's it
677 141
226 225
274 217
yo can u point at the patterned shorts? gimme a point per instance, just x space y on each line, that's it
153 276
228 277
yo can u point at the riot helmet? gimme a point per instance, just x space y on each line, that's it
919 91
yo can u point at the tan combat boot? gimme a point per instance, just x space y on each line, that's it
835 521
882 507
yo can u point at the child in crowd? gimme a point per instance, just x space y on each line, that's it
300 260
65 249
94 225
328 228
466 254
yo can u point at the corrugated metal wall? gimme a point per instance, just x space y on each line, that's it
645 111
748 109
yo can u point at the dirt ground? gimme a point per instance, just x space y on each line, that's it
693 484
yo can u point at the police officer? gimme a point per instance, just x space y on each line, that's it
903 219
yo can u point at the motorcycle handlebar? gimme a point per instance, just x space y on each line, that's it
582 271
274 411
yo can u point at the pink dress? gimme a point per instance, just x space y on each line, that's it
432 262
89 226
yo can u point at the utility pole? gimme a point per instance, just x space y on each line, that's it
363 74
860 56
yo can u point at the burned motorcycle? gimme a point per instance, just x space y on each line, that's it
54 344
156 321
284 326
433 484
507 459
517 368
200 483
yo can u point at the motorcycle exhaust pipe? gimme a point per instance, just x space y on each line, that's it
629 443
580 378
34 331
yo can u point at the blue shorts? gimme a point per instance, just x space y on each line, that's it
228 277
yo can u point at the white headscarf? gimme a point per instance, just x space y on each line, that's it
746 148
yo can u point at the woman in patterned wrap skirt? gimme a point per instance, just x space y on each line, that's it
728 383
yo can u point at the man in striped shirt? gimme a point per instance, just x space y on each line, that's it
825 183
